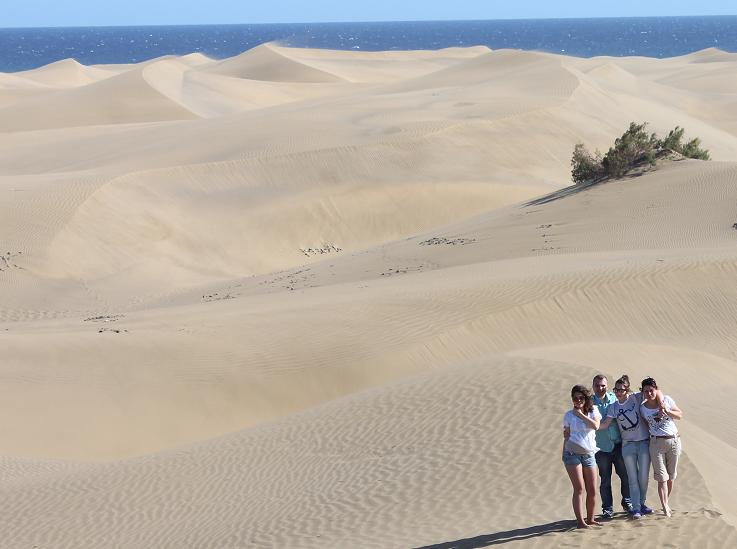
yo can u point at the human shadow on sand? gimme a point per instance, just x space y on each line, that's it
498 538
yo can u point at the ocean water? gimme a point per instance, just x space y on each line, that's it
22 49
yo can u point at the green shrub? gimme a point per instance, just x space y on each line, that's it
634 148
693 150
585 166
673 142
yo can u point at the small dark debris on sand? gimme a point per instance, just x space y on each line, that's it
7 261
320 250
402 270
104 318
114 330
291 280
439 241
216 297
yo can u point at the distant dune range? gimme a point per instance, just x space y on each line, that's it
310 298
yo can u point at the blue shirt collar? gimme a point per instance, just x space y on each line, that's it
608 398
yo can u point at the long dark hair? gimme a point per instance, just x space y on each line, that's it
588 403
649 381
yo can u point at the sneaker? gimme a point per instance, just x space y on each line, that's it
636 515
645 510
607 513
627 507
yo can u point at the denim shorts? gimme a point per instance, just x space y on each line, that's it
585 460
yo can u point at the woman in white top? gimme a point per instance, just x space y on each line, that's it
665 442
579 446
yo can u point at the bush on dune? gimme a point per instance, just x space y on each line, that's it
633 149
674 142
585 166
692 149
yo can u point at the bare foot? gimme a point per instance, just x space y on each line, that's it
667 511
593 522
582 525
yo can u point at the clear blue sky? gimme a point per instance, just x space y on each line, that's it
57 13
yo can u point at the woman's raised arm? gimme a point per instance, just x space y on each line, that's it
593 423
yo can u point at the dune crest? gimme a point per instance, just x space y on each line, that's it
265 62
67 73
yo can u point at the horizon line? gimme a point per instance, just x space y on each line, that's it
368 22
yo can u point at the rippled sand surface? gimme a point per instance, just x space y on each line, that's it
308 298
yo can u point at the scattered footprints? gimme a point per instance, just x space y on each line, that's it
547 237
106 318
690 528
291 280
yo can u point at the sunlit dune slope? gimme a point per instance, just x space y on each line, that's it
306 298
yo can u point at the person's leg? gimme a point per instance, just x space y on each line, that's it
576 476
660 473
604 463
623 478
671 457
663 493
643 470
629 456
589 477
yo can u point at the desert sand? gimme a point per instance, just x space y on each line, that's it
310 298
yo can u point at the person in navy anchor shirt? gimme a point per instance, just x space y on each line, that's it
635 442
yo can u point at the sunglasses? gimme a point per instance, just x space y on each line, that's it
620 389
578 398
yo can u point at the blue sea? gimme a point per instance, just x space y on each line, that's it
22 49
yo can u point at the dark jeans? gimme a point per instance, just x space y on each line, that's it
605 460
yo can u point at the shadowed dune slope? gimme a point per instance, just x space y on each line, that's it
383 66
121 99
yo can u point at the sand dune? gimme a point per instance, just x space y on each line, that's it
383 66
67 73
711 55
121 99
306 298
267 63
376 469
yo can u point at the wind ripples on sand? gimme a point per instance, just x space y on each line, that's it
312 298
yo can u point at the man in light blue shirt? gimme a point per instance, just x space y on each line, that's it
609 442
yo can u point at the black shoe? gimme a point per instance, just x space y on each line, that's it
607 514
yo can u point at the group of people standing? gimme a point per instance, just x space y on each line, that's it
622 430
